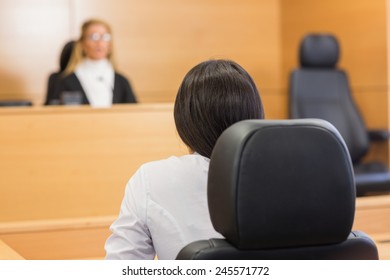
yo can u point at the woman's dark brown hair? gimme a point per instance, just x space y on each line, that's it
214 95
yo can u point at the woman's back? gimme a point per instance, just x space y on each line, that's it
169 197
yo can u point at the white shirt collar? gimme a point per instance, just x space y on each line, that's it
97 80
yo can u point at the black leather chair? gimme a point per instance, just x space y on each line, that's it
318 89
55 76
282 190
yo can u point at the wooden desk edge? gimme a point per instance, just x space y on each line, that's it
134 107
56 224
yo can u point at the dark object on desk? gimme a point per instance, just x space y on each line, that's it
71 98
15 103
55 77
280 190
318 89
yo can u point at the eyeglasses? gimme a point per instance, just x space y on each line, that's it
106 37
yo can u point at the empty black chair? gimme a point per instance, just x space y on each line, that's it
282 190
319 90
56 76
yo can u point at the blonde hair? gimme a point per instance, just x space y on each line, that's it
78 55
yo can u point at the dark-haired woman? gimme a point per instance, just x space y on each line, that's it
165 202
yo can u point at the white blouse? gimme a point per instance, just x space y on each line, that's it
164 209
97 79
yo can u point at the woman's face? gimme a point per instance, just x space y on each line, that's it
97 42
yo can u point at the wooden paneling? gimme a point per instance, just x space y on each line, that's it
382 242
74 162
360 27
371 214
84 237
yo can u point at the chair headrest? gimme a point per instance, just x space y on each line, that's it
319 51
66 54
281 183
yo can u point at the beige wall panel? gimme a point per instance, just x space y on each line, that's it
31 33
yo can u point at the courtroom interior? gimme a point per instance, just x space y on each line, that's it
63 168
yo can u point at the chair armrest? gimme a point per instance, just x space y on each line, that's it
378 135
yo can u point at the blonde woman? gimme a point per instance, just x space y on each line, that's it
90 73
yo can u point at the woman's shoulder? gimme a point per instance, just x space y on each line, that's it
175 163
71 81
120 76
166 176
69 77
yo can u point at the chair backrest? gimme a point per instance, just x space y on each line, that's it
56 76
282 190
319 90
66 54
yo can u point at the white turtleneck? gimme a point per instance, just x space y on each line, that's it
97 79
